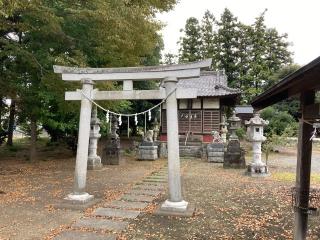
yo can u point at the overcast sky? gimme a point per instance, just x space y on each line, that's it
300 19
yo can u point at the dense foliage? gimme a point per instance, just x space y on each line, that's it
36 34
280 122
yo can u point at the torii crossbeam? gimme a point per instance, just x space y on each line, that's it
170 74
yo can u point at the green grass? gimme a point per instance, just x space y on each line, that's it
291 177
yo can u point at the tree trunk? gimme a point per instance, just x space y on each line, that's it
12 114
1 107
33 149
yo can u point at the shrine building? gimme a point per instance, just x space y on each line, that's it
198 117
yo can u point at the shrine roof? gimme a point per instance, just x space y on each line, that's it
210 84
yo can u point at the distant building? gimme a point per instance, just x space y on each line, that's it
200 116
244 112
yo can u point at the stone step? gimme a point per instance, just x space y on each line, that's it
155 180
149 187
137 198
153 183
101 224
158 176
127 205
119 213
79 235
144 192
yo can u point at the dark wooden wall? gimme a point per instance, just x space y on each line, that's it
195 121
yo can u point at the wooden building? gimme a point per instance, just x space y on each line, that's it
201 115
303 83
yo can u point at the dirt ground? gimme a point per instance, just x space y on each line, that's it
229 205
29 190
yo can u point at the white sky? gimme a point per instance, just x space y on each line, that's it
300 19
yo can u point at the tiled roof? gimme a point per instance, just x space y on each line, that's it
210 84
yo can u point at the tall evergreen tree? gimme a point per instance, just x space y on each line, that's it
208 36
190 43
268 52
227 45
249 54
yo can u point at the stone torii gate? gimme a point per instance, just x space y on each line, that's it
170 75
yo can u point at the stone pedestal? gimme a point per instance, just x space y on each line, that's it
111 154
215 152
148 152
234 156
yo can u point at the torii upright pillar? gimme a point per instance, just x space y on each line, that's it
79 194
175 205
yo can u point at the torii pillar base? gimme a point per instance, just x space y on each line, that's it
81 198
176 209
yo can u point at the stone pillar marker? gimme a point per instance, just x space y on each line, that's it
79 194
94 161
175 203
255 125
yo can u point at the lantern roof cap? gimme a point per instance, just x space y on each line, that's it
234 118
256 120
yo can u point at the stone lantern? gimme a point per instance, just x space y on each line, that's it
235 123
224 128
255 135
94 161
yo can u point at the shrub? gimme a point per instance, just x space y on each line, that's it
279 122
241 133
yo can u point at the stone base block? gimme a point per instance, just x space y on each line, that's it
215 154
216 159
257 171
94 163
234 157
148 153
165 210
111 155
